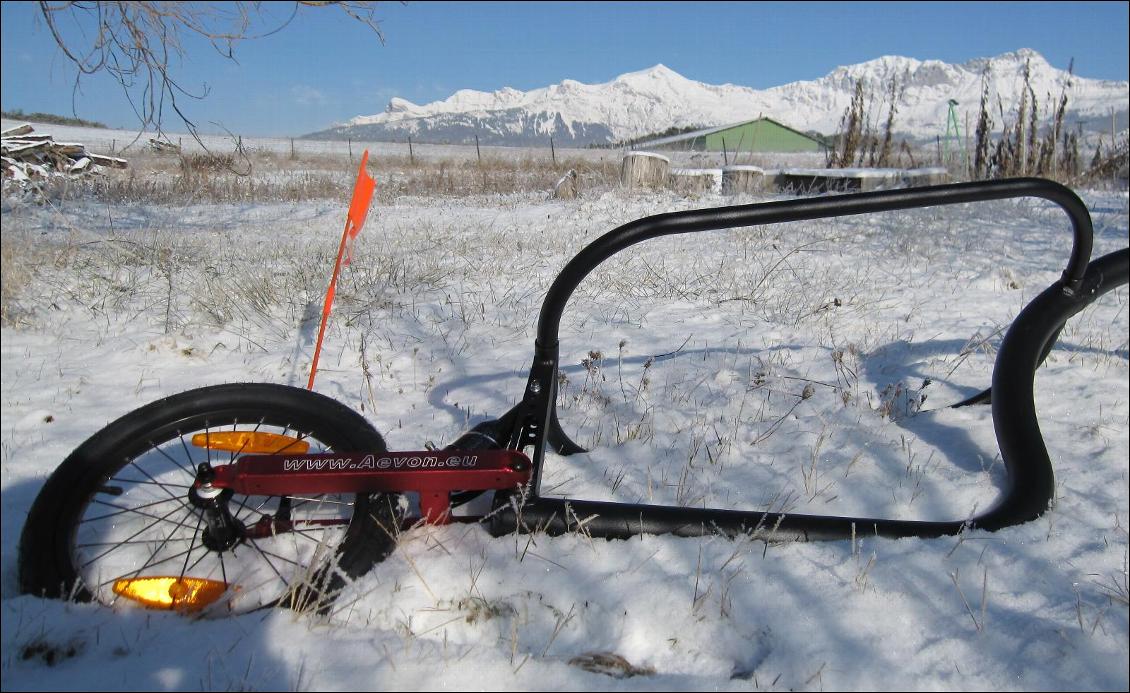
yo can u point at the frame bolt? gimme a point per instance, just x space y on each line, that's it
535 387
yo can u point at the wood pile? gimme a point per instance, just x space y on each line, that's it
163 146
28 156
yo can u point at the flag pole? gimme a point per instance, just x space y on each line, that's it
354 220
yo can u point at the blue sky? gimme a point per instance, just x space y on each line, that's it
325 67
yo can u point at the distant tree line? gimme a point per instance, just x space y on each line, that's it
51 118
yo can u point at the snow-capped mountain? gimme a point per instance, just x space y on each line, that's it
656 99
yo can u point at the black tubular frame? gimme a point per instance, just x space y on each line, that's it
1030 482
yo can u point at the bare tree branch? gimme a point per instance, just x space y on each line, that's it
139 43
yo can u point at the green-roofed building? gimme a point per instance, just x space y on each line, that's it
760 135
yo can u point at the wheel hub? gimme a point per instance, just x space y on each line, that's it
222 530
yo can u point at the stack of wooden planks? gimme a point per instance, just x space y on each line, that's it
28 156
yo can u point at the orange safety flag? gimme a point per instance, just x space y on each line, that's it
358 210
359 206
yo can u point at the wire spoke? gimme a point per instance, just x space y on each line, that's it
309 534
195 533
187 452
170 530
164 518
242 505
269 562
139 481
281 558
134 574
300 436
156 518
170 458
149 562
150 477
207 443
257 508
115 543
321 500
195 563
126 510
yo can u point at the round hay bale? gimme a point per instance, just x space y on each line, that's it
742 179
644 170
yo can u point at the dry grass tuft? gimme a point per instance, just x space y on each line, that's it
20 259
262 175
609 664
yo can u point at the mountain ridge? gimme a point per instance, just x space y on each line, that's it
658 98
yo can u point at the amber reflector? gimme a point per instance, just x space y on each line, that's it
251 442
175 593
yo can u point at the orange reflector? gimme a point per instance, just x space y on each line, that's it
251 442
177 594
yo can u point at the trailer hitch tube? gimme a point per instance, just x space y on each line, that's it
1029 487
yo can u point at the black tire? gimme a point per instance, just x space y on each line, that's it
117 507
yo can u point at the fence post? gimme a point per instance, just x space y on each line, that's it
552 151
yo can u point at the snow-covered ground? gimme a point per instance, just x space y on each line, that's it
684 364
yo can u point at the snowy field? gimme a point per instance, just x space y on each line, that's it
804 367
125 142
129 144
